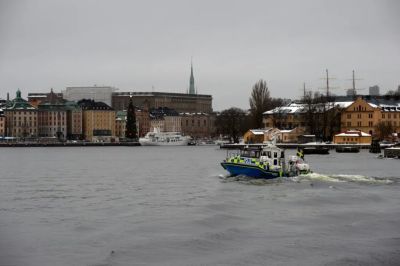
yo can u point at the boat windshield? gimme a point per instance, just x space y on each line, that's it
250 153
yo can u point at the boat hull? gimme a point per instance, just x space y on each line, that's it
146 142
315 150
248 170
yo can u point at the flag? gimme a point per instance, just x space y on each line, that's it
300 153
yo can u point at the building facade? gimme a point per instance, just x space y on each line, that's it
198 125
365 116
352 137
98 121
2 125
74 121
95 93
21 118
36 98
52 121
181 102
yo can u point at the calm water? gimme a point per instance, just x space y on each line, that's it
176 206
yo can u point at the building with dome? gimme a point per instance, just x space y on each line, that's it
21 118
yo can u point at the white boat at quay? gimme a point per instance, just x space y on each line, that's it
157 138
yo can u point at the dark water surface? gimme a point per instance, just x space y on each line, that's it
176 206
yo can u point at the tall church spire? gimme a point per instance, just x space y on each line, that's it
191 85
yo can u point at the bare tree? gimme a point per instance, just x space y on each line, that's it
232 122
384 130
260 101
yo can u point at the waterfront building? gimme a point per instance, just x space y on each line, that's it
286 117
165 119
291 135
322 119
52 117
181 102
352 137
95 93
364 115
98 121
190 102
142 122
2 124
120 124
254 136
198 125
21 118
35 98
74 120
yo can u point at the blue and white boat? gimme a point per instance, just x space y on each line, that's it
267 161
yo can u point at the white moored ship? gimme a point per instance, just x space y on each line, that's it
157 138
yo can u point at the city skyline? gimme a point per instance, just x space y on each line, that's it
148 46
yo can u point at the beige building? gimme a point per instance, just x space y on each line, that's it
98 121
21 118
352 137
254 136
166 124
364 116
291 135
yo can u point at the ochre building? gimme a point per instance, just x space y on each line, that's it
364 116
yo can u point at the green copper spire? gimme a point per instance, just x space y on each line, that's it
191 85
18 94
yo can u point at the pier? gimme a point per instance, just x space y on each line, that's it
295 145
67 144
393 152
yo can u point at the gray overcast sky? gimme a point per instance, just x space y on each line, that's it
137 45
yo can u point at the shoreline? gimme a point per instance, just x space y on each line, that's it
80 144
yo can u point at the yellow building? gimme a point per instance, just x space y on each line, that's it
364 116
254 136
98 121
291 135
352 137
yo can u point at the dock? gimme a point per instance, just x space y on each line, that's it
68 144
295 145
393 152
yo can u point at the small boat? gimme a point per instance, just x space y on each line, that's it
157 138
315 150
347 149
264 162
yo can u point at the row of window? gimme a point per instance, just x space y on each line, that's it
371 124
359 116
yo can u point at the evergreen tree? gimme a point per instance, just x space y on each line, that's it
130 129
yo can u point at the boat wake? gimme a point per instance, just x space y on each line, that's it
312 177
360 179
250 180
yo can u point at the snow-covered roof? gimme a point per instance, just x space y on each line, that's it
291 108
300 107
353 133
257 131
